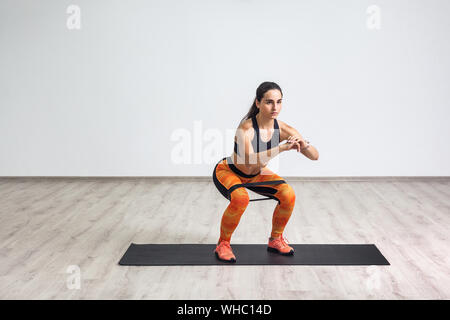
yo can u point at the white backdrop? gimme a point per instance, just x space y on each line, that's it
367 82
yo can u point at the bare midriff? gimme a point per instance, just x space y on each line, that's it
251 169
246 168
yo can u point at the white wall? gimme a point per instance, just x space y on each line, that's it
106 99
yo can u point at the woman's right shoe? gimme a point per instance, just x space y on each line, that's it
223 252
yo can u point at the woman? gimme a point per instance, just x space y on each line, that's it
256 142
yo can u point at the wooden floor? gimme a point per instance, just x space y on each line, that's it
48 225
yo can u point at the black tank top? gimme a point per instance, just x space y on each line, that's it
257 143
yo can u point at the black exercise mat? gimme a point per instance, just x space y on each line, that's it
252 254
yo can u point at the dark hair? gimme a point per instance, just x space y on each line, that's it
262 89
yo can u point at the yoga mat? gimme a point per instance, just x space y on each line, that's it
252 254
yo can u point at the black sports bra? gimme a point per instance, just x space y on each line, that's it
262 146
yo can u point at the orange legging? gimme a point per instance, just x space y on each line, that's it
224 178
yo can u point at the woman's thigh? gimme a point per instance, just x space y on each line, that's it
224 178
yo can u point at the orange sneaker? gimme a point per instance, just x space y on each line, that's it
280 245
223 251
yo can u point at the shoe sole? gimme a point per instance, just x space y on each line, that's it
230 261
290 253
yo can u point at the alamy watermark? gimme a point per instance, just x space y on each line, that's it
73 281
373 21
73 21
201 145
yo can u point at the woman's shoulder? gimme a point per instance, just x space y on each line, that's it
246 124
246 127
281 124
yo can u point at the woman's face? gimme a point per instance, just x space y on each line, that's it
270 104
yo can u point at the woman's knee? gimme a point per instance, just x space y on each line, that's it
239 198
286 195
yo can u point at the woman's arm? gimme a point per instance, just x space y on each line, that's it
289 133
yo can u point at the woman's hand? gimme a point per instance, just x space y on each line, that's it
302 142
291 144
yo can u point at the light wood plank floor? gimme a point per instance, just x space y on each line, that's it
50 224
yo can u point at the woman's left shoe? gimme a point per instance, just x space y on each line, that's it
280 245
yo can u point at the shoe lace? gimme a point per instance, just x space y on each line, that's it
224 244
284 241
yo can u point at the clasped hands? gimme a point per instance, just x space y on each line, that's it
297 142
